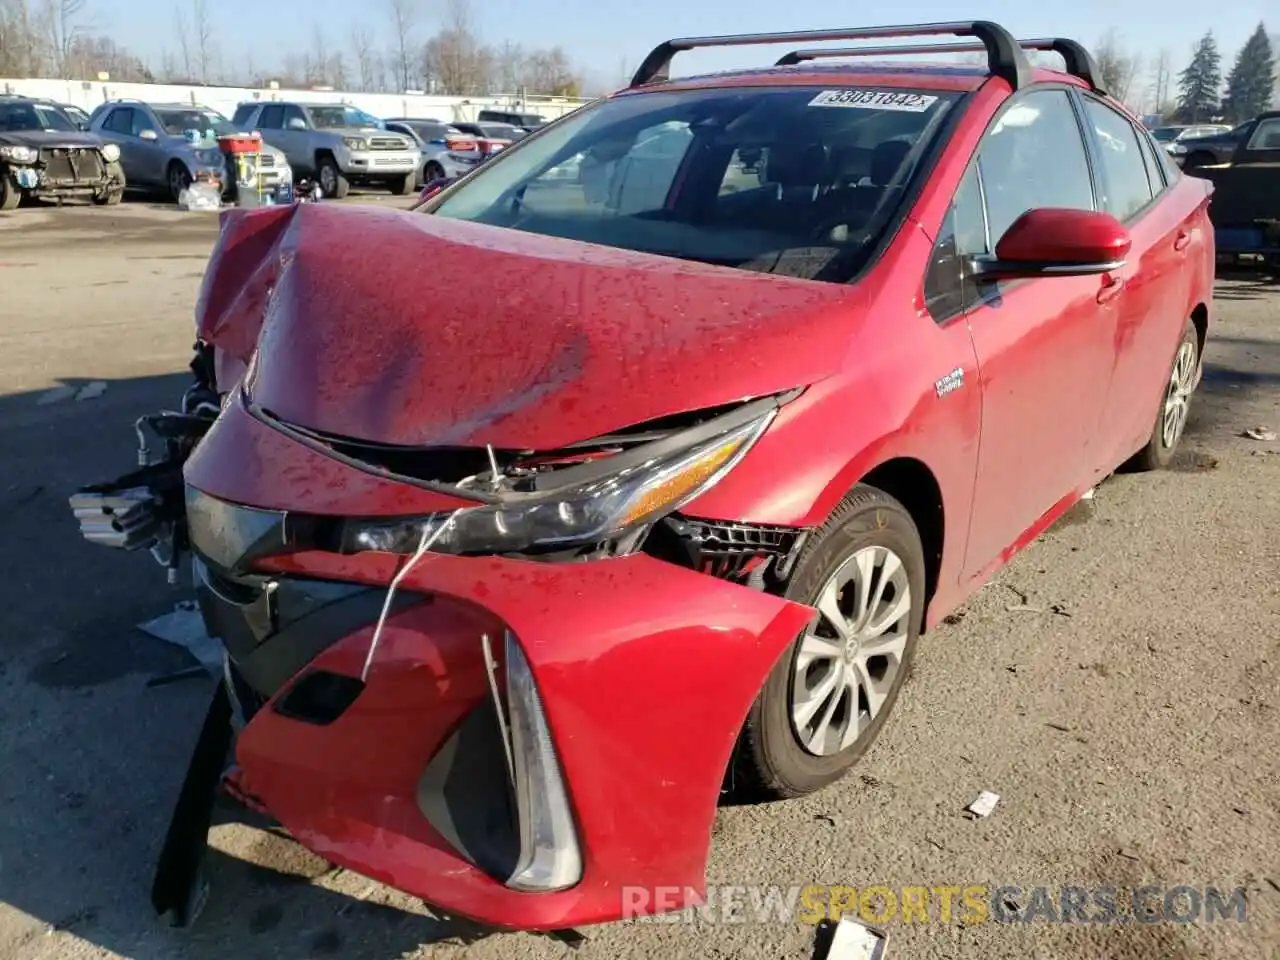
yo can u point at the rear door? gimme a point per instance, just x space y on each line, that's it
117 127
1263 145
1157 279
1044 345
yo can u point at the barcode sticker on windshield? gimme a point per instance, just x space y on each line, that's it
874 100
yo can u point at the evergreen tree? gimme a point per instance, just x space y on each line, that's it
1200 85
1249 83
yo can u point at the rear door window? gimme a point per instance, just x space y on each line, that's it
1125 186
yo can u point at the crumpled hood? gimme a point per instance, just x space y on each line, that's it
406 328
44 139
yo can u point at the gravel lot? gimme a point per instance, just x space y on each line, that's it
1132 728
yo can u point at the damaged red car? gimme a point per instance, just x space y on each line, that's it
628 470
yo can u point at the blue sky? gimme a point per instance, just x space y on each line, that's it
601 36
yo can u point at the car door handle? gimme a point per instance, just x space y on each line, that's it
1181 240
1111 289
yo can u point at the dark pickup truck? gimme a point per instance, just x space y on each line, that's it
1246 199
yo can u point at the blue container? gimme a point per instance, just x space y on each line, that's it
284 193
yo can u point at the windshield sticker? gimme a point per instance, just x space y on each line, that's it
874 100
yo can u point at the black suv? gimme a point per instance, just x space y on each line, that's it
530 121
44 154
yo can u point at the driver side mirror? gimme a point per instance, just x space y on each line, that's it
1057 242
296 123
148 135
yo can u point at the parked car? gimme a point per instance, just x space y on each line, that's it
446 150
1191 153
43 154
1167 136
530 525
493 137
336 144
169 146
527 121
1246 197
78 116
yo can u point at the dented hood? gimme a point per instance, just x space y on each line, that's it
405 328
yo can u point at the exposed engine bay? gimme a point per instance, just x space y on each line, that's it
146 509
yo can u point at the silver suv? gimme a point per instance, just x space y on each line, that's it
336 144
170 145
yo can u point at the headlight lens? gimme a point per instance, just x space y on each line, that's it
356 143
1178 148
110 152
590 513
211 158
19 154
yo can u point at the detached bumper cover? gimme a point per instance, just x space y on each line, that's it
645 672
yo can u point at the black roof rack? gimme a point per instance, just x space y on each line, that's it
1078 60
1004 56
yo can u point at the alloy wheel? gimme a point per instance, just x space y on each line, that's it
851 659
328 180
1177 396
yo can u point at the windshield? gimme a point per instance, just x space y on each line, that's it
29 116
209 122
334 118
796 180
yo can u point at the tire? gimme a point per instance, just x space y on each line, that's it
10 195
432 171
332 183
114 191
772 762
177 178
403 186
1197 160
1178 388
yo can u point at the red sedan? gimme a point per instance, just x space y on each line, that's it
628 470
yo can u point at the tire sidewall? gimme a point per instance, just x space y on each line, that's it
872 519
1161 455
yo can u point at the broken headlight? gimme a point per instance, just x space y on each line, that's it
583 513
19 154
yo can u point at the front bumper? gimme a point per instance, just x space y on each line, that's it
64 173
644 672
380 163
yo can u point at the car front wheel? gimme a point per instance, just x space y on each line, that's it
827 698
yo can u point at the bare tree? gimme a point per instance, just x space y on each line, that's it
404 21
317 59
362 47
1161 77
184 40
61 19
509 66
1117 67
455 59
202 34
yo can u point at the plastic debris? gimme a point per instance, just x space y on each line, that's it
985 803
853 941
184 627
1260 433
56 395
1088 494
202 197
91 390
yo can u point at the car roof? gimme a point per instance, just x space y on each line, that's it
948 78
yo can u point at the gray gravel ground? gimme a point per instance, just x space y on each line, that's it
1132 735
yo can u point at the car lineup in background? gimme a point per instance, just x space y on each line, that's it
166 147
